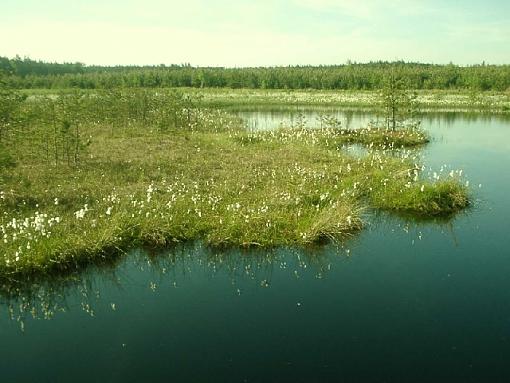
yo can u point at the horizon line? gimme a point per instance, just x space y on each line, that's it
188 64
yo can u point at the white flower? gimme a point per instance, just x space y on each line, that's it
79 214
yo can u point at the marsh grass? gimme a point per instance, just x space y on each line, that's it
148 184
427 199
383 137
436 100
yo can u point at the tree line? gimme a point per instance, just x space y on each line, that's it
20 73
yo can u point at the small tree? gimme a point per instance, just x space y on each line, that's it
10 105
398 103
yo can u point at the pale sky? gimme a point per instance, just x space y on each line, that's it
256 33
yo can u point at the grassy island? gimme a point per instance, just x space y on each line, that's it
87 175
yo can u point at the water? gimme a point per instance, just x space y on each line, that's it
267 119
403 301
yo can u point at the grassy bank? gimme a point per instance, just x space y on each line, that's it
196 174
437 100
428 100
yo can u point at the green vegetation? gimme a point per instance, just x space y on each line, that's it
91 174
399 104
424 199
427 100
26 73
323 100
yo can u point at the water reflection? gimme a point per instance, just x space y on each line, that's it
265 118
44 297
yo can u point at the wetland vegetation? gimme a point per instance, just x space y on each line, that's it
240 219
86 175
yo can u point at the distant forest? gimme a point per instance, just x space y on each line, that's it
20 73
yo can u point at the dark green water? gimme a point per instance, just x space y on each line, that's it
404 301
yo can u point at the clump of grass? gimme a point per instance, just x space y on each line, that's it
331 137
384 137
441 198
341 221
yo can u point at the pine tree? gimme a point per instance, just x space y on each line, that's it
398 103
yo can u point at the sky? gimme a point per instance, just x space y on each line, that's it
240 33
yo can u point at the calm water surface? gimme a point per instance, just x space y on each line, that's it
403 301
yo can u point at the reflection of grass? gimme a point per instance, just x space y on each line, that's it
227 187
43 296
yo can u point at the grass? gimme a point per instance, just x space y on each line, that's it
427 199
429 100
382 137
434 100
216 182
